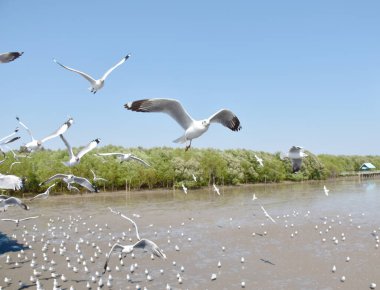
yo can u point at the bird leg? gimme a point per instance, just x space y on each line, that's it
188 146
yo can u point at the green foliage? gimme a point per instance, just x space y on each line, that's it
170 167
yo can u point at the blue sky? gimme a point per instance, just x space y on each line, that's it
294 72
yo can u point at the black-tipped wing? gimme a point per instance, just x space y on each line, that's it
227 119
85 183
144 243
11 201
59 131
90 146
115 66
57 176
169 106
9 56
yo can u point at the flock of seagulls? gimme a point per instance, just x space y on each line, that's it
192 129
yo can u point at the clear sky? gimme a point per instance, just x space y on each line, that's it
295 72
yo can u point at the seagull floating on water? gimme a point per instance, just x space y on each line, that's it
69 179
75 159
95 84
36 144
9 56
193 128
124 157
17 221
295 155
43 195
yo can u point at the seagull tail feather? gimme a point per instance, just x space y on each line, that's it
181 139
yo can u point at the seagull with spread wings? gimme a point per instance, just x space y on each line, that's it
37 144
6 201
10 182
125 157
193 128
43 195
259 160
17 221
141 244
95 84
96 178
75 159
69 179
9 56
296 155
7 139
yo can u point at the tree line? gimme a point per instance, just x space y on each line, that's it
172 166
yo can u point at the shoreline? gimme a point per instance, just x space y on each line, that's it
145 191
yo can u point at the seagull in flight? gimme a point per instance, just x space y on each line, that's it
17 221
10 182
267 214
43 195
193 128
6 140
95 179
184 188
9 56
295 155
254 197
37 144
259 160
125 157
326 190
215 188
95 84
194 177
75 159
6 201
69 179
141 244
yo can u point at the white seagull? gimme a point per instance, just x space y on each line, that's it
10 182
215 188
43 195
17 221
37 144
95 179
326 190
267 214
259 160
184 188
95 84
193 128
254 197
12 201
295 155
194 177
9 56
69 179
75 159
124 157
141 244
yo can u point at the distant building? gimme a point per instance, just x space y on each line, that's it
367 166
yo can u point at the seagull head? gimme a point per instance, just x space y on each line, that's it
206 122
97 140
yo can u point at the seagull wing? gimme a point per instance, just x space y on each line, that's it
110 154
85 183
115 66
134 224
26 128
29 218
59 131
296 164
93 173
15 201
9 56
90 146
145 243
139 160
10 182
227 118
169 106
86 76
10 135
115 247
71 153
267 214
57 176
9 220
